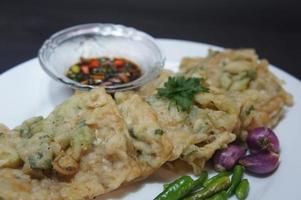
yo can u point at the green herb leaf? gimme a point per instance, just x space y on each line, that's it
180 91
132 133
34 159
251 74
82 124
25 133
249 110
159 132
38 161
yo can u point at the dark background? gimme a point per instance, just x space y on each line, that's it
272 27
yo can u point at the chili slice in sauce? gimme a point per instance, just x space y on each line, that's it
103 71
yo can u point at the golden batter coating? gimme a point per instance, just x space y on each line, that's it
86 134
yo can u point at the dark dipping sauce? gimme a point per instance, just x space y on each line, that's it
103 71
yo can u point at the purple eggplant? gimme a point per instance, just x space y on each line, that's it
261 163
262 138
225 159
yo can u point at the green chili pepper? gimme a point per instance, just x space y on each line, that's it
166 185
242 189
212 188
176 189
235 180
212 179
219 196
198 183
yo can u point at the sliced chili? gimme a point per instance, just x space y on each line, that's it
103 71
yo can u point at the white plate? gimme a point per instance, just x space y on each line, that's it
27 91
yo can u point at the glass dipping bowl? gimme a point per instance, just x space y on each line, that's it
66 47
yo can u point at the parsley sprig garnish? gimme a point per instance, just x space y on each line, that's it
180 91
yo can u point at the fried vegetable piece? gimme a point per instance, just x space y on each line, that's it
257 93
65 165
35 151
29 127
81 142
33 145
144 131
174 122
110 160
9 156
88 141
151 88
169 117
212 117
